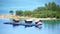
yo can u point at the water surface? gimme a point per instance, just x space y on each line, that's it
48 27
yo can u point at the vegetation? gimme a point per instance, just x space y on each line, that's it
50 9
11 12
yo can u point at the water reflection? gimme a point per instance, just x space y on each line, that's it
39 27
51 24
47 27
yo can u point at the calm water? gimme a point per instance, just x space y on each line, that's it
48 27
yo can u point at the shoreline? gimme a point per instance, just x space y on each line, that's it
26 18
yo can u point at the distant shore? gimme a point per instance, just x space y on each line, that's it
22 17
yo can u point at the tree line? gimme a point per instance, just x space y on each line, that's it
50 9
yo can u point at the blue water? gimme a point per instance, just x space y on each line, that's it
48 27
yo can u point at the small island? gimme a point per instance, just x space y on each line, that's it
51 11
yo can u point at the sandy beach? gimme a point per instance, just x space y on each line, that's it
22 17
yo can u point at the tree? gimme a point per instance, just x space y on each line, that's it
51 6
50 9
11 12
19 12
28 13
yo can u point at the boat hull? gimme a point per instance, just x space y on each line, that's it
23 24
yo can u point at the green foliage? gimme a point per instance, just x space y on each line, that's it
52 6
50 9
28 13
11 12
19 12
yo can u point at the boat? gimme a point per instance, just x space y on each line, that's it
23 24
26 24
28 21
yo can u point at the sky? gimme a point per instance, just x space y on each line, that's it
6 5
